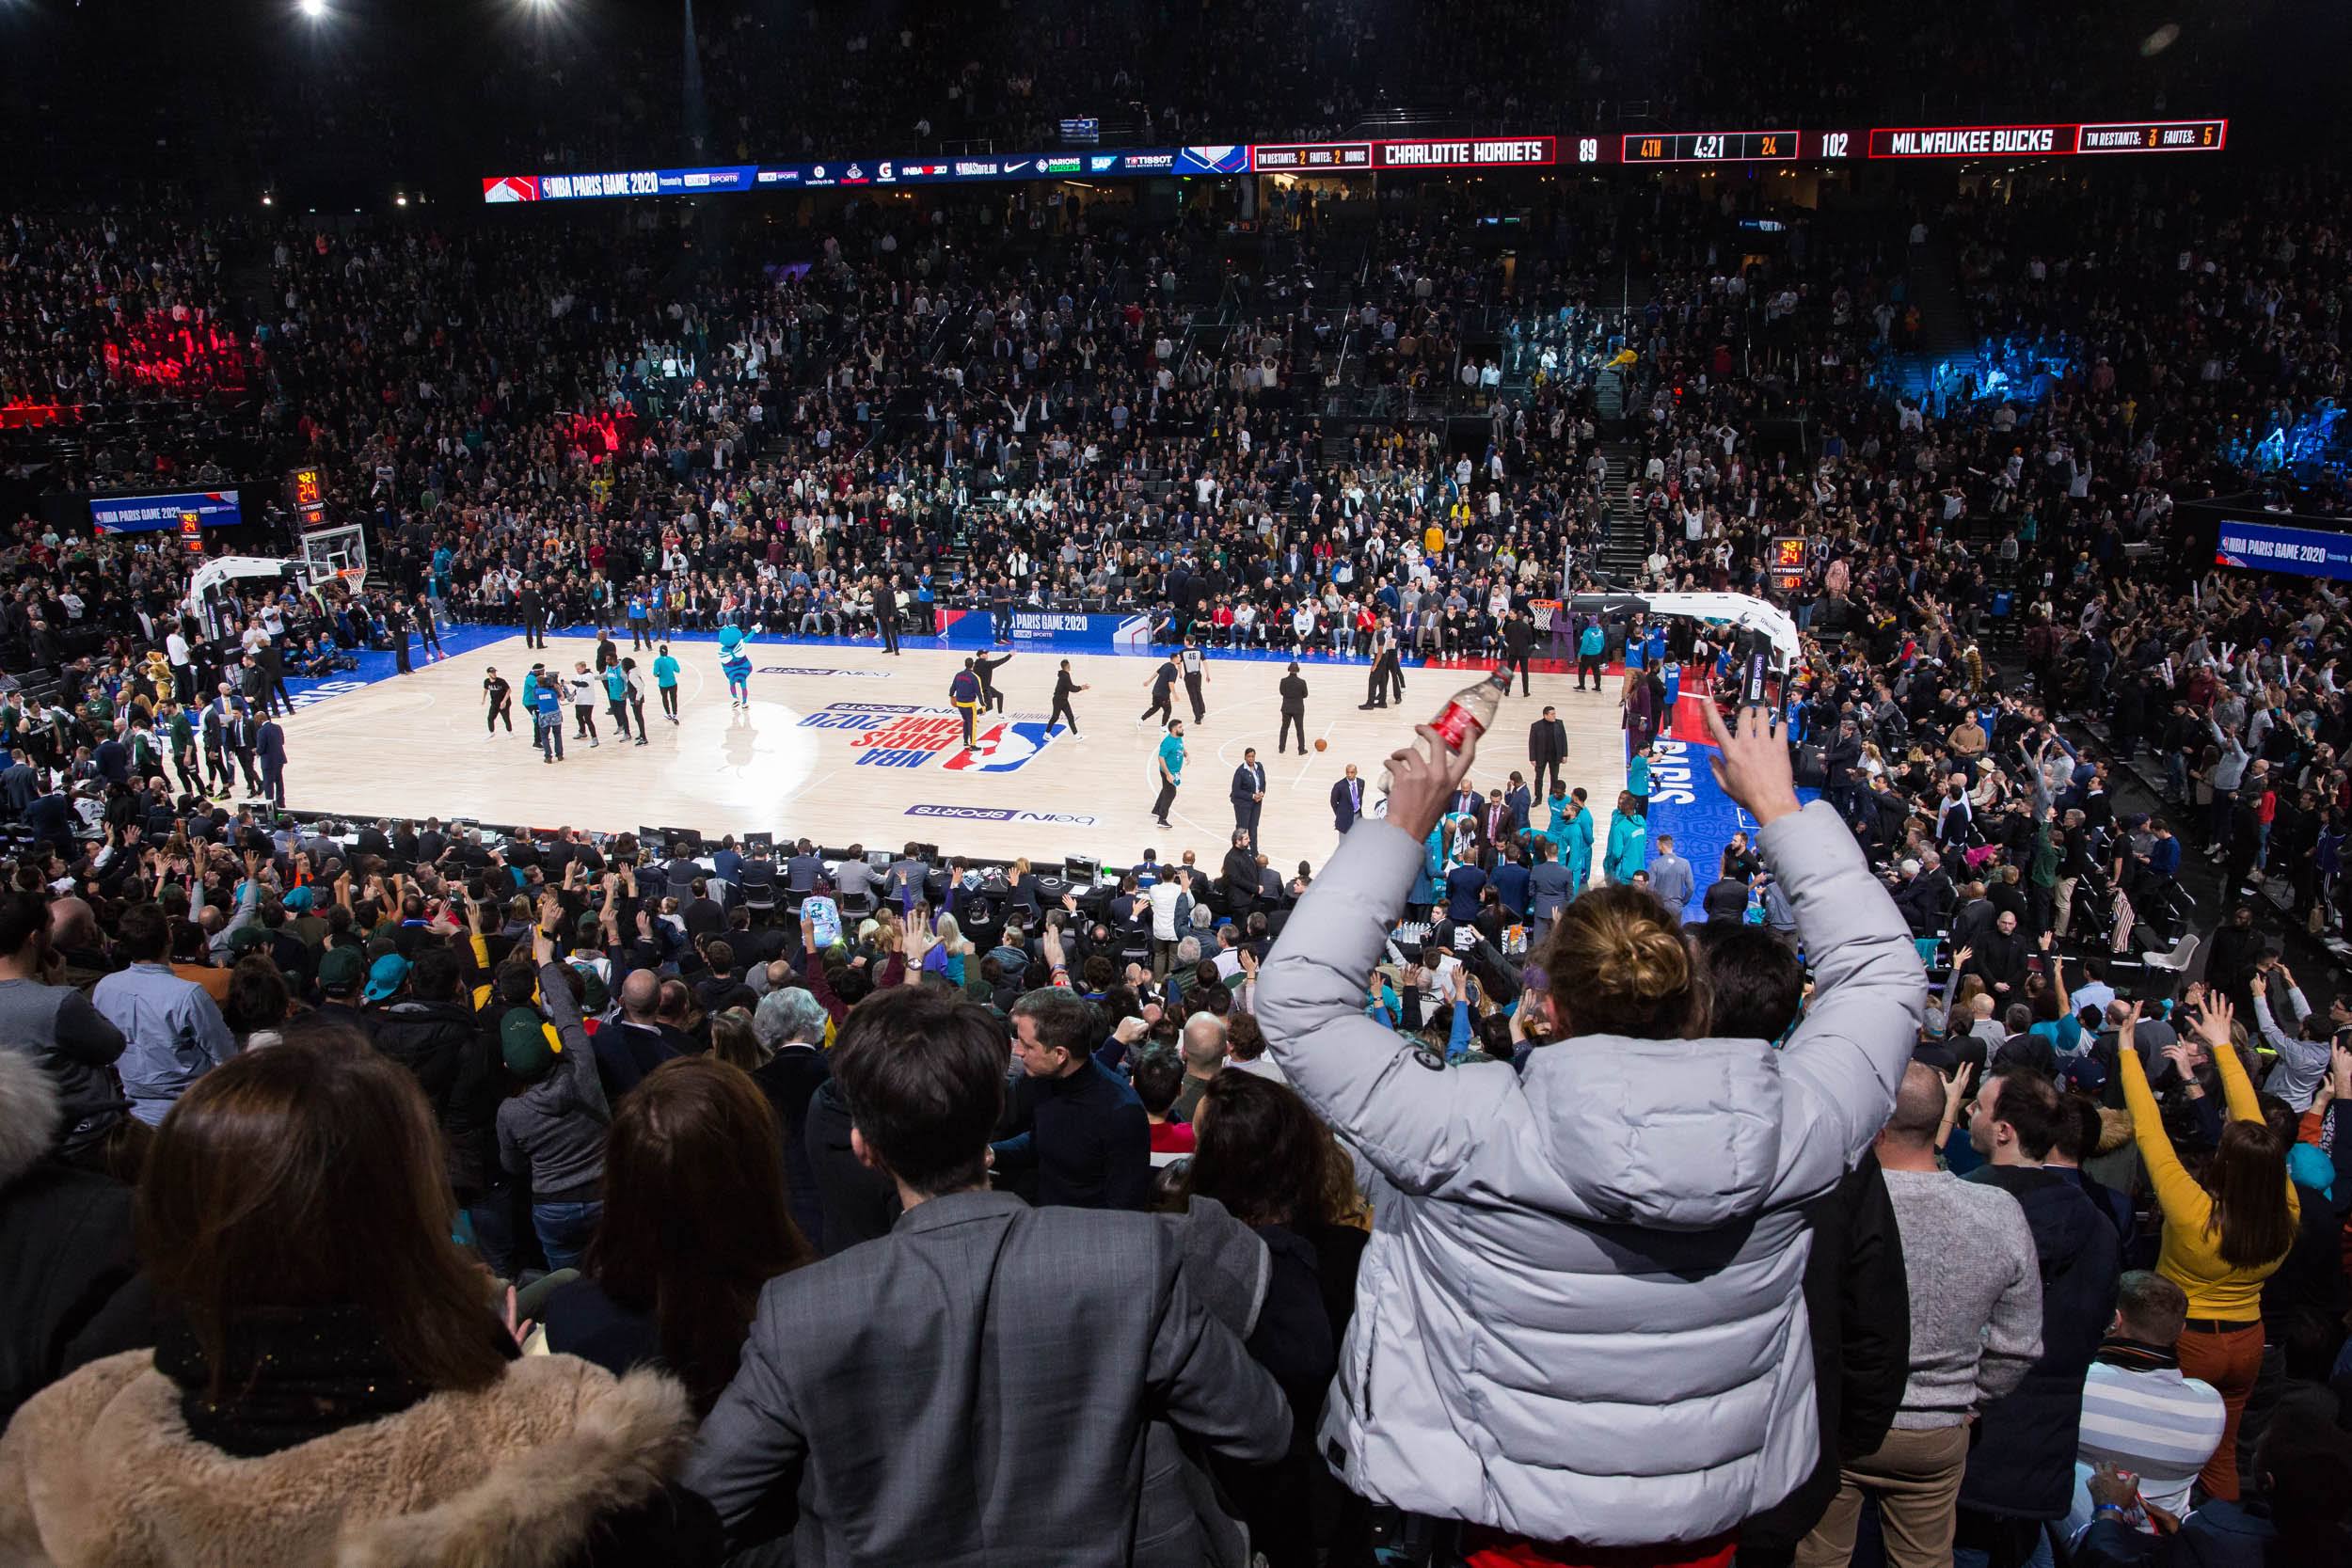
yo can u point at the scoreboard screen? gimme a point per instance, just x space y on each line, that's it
1313 158
306 492
1714 147
1490 152
1788 558
2157 136
2049 141
1655 148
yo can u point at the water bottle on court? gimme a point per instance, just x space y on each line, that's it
1469 711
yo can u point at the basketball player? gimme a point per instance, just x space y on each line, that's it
1163 692
992 700
963 695
502 698
1063 687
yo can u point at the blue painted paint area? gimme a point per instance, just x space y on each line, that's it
1685 800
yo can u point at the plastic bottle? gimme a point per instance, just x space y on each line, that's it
1469 712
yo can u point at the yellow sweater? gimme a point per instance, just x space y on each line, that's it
2191 1254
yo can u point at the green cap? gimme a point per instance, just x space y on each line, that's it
527 1042
340 968
246 938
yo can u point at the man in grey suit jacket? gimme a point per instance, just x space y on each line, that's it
1671 876
987 1384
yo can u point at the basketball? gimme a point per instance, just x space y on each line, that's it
1323 745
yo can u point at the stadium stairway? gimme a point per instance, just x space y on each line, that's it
1621 552
1947 340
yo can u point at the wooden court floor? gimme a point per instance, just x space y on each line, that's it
847 744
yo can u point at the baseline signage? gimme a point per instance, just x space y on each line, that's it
152 513
2261 547
1049 628
1002 813
2050 139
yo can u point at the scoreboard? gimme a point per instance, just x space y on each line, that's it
2049 141
1712 147
2055 139
1788 146
306 492
1788 563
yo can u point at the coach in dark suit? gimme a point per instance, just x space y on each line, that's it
271 745
245 740
1347 801
1249 791
1547 747
984 1299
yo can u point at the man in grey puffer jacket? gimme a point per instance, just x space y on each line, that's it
1580 1317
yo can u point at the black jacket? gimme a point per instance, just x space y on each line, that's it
470 1121
1084 1135
70 1291
2021 1463
1547 740
858 1203
1857 1299
790 1080
429 1039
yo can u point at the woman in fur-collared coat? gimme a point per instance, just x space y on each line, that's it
330 1384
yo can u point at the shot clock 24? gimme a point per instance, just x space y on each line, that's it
1788 558
1714 147
306 489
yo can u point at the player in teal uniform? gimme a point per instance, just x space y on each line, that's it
666 679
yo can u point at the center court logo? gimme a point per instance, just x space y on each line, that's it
897 735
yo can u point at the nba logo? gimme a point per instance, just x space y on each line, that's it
1001 749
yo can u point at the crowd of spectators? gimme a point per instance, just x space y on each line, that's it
1996 1236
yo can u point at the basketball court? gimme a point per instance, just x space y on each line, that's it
845 744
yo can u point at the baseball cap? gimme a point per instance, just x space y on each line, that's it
595 996
387 976
246 938
340 968
527 1042
298 899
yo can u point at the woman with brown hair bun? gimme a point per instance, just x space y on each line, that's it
695 1224
328 1381
1580 1322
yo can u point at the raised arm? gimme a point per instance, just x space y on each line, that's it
2212 1028
555 1000
2177 1192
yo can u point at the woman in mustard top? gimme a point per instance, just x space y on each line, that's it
2223 1235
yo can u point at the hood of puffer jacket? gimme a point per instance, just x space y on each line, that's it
28 1114
101 1468
1681 1135
2115 1130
